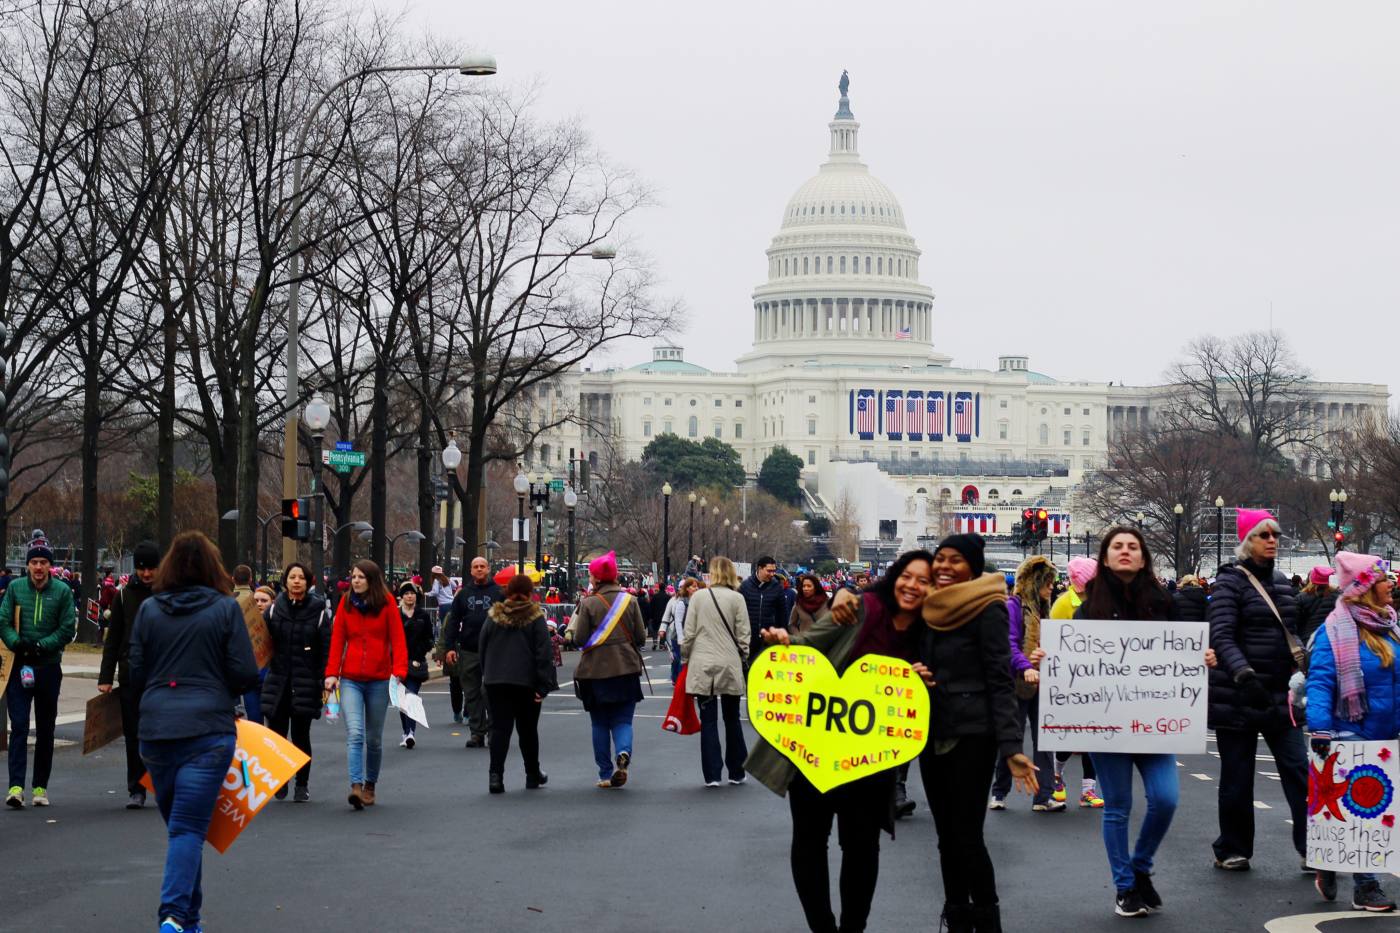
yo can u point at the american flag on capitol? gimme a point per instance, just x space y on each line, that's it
865 415
962 417
903 334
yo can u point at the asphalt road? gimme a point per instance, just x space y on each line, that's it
665 853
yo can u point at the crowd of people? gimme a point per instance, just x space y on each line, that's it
1293 662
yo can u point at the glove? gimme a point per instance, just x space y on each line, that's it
1321 743
1256 695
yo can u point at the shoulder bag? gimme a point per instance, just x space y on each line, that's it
1300 657
743 665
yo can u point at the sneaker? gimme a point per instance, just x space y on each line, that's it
1371 897
302 795
712 783
536 781
1059 793
620 775
41 797
997 803
281 793
739 780
136 801
1050 806
1232 863
456 718
15 799
1091 800
1142 884
171 925
403 742
1129 904
1326 884
476 741
409 741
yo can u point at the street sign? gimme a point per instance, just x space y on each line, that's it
1331 523
556 485
520 529
344 445
343 460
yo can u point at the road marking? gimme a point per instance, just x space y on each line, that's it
1309 923
1261 805
1200 777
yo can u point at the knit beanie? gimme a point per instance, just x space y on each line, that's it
971 547
1357 573
38 547
604 569
1247 520
146 555
1081 571
1319 574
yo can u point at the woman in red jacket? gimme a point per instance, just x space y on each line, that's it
367 646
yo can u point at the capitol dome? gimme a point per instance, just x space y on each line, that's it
843 271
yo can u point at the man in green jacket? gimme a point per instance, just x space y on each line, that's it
36 622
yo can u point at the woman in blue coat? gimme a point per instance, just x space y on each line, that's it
1354 685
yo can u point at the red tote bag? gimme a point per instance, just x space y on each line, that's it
681 717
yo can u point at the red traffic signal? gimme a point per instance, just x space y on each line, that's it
1339 537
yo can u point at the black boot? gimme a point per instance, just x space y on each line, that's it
957 918
498 783
903 806
536 780
986 919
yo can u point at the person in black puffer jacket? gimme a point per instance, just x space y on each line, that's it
1189 600
418 635
1316 602
1249 690
291 694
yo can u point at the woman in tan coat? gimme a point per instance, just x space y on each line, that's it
716 650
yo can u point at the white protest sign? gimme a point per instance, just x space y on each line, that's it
1352 807
1123 686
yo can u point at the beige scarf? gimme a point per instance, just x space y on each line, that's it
954 606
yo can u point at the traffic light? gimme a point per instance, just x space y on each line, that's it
296 519
1340 539
1042 525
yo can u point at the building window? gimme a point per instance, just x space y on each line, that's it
667 403
1044 434
646 400
646 429
806 266
811 426
880 263
1044 411
738 403
1067 440
828 265
694 426
693 403
1066 409
719 429
718 403
738 430
666 427
1003 403
811 400
1086 411
867 260
1086 437
843 265
811 457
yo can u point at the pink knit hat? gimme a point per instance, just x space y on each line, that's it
1357 573
1246 520
604 569
1319 574
1081 571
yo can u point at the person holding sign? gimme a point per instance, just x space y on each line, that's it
886 622
367 648
609 627
1125 588
1253 627
1354 686
291 692
191 658
715 649
116 653
975 722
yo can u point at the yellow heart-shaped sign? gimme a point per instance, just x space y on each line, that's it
838 729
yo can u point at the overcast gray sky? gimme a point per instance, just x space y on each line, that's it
1092 183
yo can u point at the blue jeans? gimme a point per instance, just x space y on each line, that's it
187 775
252 700
675 660
364 704
1159 783
612 728
410 726
43 698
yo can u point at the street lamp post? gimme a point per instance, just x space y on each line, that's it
753 548
232 516
413 535
714 526
363 528
539 500
522 491
690 544
703 506
317 416
571 503
1140 518
473 66
1177 510
539 536
1338 498
665 533
728 539
451 457
1219 531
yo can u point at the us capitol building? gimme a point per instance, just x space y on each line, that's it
844 373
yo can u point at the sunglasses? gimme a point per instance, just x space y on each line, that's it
1270 534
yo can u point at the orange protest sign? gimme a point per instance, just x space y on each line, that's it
271 761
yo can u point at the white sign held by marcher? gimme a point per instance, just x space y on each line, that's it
1123 686
1352 808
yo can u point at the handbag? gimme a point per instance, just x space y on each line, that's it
743 664
1300 657
681 717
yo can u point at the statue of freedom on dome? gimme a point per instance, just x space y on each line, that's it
845 83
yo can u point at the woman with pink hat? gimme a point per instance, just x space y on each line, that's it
1316 602
1354 686
1253 616
609 627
